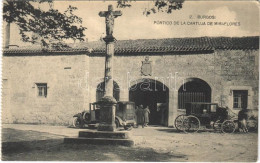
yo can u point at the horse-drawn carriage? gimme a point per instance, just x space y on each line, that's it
204 114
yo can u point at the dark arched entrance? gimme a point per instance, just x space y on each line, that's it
194 90
153 94
100 91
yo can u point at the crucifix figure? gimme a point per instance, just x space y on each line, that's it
110 15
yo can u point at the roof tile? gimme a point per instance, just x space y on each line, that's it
159 45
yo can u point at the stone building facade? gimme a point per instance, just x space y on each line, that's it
49 87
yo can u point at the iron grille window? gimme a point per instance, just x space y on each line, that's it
240 98
186 97
42 89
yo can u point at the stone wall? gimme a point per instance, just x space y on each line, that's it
71 90
238 70
220 70
62 74
224 71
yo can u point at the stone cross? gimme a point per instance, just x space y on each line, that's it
110 15
108 102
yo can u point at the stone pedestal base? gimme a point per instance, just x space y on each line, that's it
106 127
107 114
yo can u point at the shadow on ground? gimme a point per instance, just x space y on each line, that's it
173 130
53 149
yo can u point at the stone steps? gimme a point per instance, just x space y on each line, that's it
101 138
103 134
99 141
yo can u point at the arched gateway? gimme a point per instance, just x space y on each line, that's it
155 95
193 90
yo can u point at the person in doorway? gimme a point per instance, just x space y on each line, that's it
146 113
139 116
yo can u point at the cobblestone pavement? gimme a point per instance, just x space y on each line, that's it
151 144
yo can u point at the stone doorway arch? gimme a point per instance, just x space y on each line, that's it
193 90
155 95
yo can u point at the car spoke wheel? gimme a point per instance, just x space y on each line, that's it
76 122
181 123
228 126
86 117
117 123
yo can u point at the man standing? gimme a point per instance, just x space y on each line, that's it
146 113
242 120
139 116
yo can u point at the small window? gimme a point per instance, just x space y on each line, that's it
240 98
42 89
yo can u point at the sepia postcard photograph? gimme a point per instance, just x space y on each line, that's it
130 80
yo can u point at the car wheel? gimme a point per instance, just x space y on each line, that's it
117 123
128 128
76 122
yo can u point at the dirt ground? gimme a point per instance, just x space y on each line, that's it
45 143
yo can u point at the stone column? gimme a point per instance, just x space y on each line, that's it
172 108
108 102
175 106
109 66
124 95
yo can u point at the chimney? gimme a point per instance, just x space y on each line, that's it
7 35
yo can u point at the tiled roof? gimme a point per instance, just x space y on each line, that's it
39 50
157 45
179 44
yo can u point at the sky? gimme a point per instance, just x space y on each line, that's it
243 16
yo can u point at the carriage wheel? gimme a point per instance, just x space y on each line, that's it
193 123
228 126
217 125
181 122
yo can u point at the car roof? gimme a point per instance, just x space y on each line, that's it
125 102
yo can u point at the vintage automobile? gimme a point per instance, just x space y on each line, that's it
125 115
203 114
88 117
